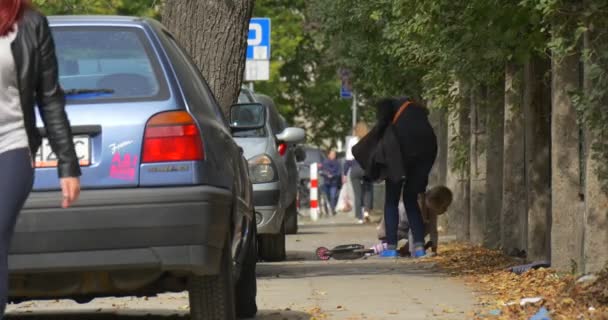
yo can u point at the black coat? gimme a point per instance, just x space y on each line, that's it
36 64
389 149
379 155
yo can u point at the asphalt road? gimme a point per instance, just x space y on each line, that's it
303 288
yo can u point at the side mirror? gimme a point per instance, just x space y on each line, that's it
247 116
292 135
300 154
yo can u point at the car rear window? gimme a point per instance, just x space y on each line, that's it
108 64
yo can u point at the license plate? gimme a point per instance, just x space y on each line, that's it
45 158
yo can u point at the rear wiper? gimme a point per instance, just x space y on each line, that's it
73 92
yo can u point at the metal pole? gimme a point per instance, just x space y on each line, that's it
251 86
354 107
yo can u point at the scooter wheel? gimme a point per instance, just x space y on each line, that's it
323 253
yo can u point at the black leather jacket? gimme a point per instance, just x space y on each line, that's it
36 65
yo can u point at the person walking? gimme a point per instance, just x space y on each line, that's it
362 187
330 171
28 76
417 144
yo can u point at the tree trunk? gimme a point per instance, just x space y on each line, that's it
214 33
567 209
514 212
537 110
486 166
458 168
596 199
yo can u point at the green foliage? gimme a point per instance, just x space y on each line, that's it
303 82
123 7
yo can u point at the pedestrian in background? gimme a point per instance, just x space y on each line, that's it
362 187
28 77
330 171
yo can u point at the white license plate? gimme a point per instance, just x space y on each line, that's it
45 158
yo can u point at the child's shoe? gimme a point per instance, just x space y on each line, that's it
419 253
389 254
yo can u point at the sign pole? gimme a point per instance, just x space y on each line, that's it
354 108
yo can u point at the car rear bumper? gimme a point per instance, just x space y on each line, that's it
166 229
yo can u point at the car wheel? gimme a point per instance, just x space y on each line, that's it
272 246
291 219
246 287
212 297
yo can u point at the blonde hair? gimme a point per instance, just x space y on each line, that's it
361 129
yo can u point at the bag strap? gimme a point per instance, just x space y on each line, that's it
400 111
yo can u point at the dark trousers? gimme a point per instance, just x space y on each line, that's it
16 179
416 182
362 189
331 190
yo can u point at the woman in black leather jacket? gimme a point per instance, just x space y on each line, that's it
28 77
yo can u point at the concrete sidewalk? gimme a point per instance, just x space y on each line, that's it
304 288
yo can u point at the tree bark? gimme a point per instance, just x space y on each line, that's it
537 110
567 209
214 33
458 169
486 166
514 212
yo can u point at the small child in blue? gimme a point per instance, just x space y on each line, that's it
433 203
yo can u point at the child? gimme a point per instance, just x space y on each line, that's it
433 203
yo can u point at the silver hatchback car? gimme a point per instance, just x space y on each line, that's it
270 147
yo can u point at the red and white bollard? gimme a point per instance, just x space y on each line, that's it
314 192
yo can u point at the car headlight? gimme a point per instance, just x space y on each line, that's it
261 170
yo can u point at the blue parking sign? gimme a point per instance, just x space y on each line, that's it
258 41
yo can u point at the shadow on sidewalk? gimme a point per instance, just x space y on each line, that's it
146 315
370 267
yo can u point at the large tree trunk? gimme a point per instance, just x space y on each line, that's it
486 165
514 212
537 110
458 169
596 199
567 209
214 33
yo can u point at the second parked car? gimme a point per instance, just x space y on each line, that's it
271 152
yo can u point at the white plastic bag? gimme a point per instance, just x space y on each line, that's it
345 198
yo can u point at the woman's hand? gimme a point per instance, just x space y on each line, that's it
70 189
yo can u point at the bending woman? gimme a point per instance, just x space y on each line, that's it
418 146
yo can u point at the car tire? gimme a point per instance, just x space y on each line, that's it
272 246
246 287
212 297
291 219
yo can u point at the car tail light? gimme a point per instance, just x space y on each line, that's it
282 149
172 136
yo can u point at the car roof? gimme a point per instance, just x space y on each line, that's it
105 20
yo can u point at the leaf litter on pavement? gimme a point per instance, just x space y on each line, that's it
506 295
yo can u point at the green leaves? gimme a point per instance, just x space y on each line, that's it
125 7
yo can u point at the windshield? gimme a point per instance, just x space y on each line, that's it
248 115
107 64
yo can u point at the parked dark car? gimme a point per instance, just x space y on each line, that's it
166 202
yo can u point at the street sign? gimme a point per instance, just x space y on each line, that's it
257 65
258 41
346 89
257 70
